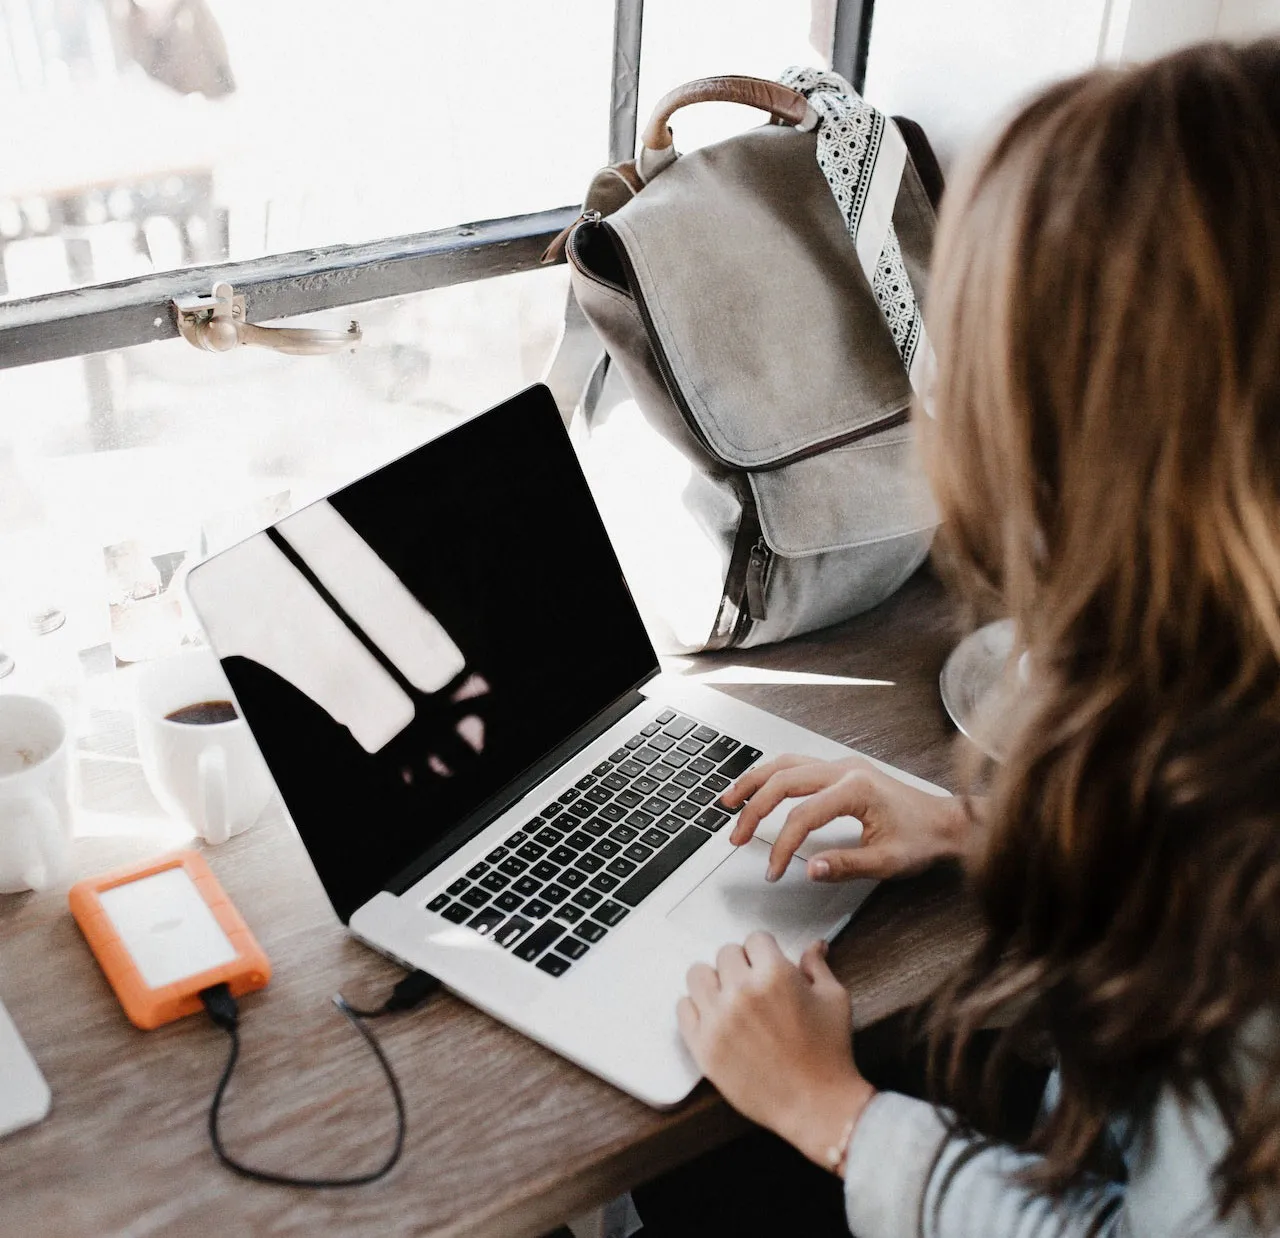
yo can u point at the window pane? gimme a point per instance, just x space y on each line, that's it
119 470
687 39
157 134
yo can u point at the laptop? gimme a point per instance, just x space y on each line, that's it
451 684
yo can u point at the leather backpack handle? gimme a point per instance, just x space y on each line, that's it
781 102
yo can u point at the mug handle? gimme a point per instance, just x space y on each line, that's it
44 863
211 772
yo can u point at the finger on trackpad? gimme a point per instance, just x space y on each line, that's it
734 899
842 832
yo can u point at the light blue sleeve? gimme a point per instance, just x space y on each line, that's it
908 1177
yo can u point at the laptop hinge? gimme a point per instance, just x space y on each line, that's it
496 805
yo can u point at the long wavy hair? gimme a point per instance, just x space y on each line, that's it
1106 456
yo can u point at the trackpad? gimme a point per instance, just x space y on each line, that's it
734 900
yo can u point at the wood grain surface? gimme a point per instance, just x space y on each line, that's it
504 1138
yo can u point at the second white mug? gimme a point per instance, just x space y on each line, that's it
206 768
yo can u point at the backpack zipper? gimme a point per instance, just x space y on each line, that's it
757 573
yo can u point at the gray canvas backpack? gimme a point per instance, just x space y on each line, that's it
746 428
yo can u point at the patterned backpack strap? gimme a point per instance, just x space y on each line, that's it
863 156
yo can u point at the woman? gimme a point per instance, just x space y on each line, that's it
1106 456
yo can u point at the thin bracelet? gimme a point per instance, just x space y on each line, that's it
838 1152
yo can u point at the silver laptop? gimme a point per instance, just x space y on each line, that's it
455 694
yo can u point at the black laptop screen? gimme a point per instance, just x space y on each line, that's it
405 649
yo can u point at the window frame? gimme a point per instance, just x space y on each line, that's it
98 318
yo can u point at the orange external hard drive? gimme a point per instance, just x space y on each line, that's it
163 931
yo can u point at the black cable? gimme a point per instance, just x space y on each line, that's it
223 1011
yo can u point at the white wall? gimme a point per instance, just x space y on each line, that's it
1243 19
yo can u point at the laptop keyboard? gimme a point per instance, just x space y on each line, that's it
557 885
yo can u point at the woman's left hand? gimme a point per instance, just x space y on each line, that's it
776 1039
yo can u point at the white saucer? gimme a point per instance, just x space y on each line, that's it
970 679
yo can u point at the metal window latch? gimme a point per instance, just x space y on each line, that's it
217 324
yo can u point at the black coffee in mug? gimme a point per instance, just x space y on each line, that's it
204 713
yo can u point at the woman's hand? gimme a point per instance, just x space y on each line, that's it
777 1041
904 830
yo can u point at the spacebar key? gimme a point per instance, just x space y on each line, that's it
653 874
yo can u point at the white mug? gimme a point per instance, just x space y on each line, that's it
211 774
35 795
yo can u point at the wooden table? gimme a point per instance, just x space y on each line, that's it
504 1137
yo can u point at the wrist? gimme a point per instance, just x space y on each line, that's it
824 1126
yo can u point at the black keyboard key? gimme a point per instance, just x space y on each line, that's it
686 778
640 819
587 780
653 874
497 855
716 782
582 808
531 852
512 931
706 734
570 795
547 836
512 866
629 769
610 913
673 760
527 886
740 762
544 870
653 838
644 786
661 742
651 729
552 964
638 852
634 742
614 782
538 941
666 715
537 909
508 901
596 827
494 881
475 897
646 755
562 856
621 867
572 878
671 823
572 947
604 882
628 799
691 746
476 871
484 922
712 819
660 771
607 847
554 817
598 795
699 795
578 840
457 887
569 913
603 768
614 812
720 749
587 897
555 893
439 903
700 765
520 835
672 792
686 810
622 833
457 913
590 930
654 806
588 863
618 754
678 728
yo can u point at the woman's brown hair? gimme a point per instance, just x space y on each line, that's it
1106 457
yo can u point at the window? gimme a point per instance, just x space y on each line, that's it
321 156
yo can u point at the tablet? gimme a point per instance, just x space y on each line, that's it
163 931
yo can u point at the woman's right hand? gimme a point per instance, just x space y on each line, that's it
904 830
